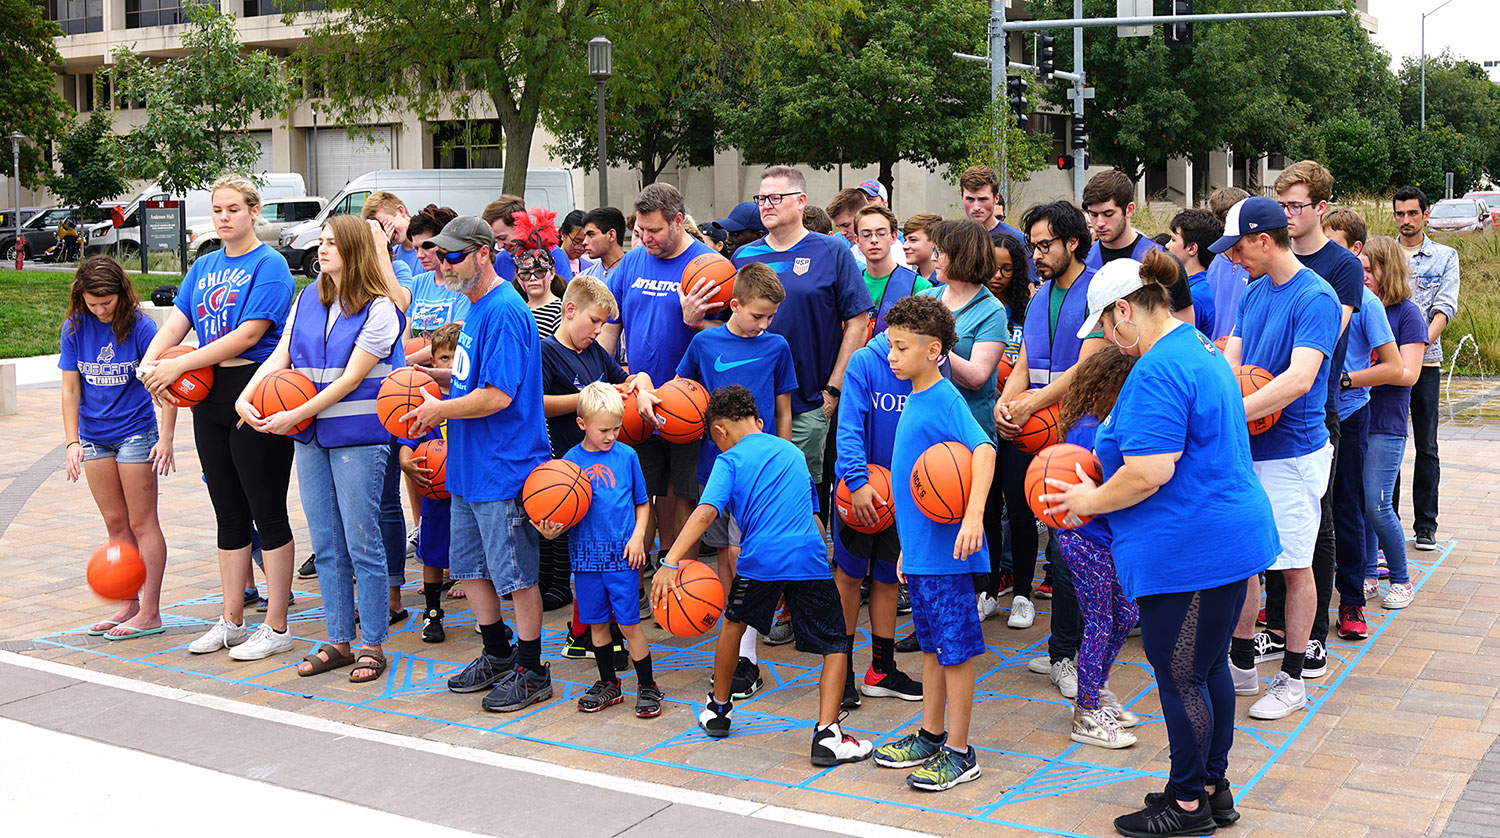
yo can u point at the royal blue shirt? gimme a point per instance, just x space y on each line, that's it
564 373
220 292
113 405
1390 404
1227 281
408 257
1368 328
597 543
763 483
763 365
937 414
1274 320
982 319
1210 524
868 412
1343 272
645 287
1082 433
433 305
505 264
491 456
825 287
1203 302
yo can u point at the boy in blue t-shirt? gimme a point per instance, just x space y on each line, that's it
762 481
432 525
937 560
1193 230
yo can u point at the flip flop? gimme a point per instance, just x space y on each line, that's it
134 633
95 631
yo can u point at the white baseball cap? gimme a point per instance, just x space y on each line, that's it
1115 281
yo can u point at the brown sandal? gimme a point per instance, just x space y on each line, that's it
320 665
376 663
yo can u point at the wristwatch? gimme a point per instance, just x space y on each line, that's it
833 391
1344 381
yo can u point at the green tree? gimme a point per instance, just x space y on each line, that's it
90 173
1422 158
198 105
1356 151
1024 152
29 102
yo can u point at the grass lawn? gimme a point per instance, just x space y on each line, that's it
32 305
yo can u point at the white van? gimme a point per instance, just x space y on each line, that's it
466 191
197 202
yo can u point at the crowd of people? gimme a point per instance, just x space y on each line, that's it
853 340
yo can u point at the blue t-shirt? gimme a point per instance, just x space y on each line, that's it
1274 320
1203 302
433 305
763 365
505 264
1343 272
1227 281
1082 433
1368 328
983 318
491 456
825 286
937 414
1390 404
597 543
407 257
763 483
220 292
564 373
868 412
1210 524
645 287
113 405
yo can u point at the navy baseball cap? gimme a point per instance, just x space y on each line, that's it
1250 216
744 216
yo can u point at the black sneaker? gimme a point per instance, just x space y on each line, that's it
1426 539
483 673
864 591
1165 818
903 601
908 644
1268 647
578 647
832 746
1220 804
851 692
648 698
1315 664
714 718
746 681
521 690
309 569
263 605
622 657
601 695
432 627
893 684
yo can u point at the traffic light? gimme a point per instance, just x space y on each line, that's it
1080 132
1046 53
1064 161
1016 87
1179 34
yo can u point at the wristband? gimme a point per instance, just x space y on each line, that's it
74 442
672 566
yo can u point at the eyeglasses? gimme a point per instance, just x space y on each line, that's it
1007 270
453 257
874 235
1292 208
774 198
532 273
1044 245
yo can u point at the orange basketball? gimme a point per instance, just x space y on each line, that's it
1056 462
683 402
414 345
694 607
1252 378
436 452
116 571
283 390
194 385
400 393
940 482
715 269
1039 430
556 492
1003 371
880 481
1222 343
633 426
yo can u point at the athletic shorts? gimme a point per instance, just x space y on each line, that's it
943 614
723 532
433 534
810 435
493 540
608 595
131 450
1295 486
816 611
669 467
858 553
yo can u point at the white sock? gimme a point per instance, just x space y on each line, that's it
747 644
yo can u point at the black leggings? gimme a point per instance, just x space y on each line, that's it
1023 537
248 473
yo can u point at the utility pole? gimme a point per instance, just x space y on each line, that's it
1425 15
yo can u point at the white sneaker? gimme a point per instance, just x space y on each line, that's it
1246 681
263 643
1283 697
1022 613
223 635
1109 700
411 541
989 606
1101 728
1063 674
1040 665
1399 596
832 746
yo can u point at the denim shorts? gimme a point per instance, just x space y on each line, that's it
601 594
945 621
128 451
493 540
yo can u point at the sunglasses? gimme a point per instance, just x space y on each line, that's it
453 257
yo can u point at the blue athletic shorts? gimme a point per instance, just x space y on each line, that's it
856 552
943 613
602 593
433 534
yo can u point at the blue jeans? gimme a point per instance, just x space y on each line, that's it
493 540
337 485
1382 528
393 520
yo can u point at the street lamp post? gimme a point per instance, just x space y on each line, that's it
15 161
601 67
1424 61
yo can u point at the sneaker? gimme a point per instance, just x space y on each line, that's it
944 771
1100 727
1268 647
908 751
601 695
1022 613
252 596
1043 591
1372 587
1164 817
648 700
893 684
432 627
1352 623
1007 583
780 634
263 605
746 681
864 590
263 643
577 648
1246 681
411 541
1283 697
1220 804
851 692
522 689
903 601
1399 596
832 746
223 635
1426 539
622 656
644 605
309 568
1380 558
1382 572
908 644
1062 673
714 717
989 606
1108 699
483 673
1260 617
1315 662
1040 665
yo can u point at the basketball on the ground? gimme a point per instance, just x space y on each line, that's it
940 482
1057 462
633 426
194 385
1252 378
880 481
414 345
400 394
714 268
283 390
683 403
436 452
694 607
116 571
1039 430
556 492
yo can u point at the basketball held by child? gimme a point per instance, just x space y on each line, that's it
1003 369
412 346
1059 463
116 571
192 388
683 403
283 390
633 426
1039 430
694 606
940 482
556 492
436 453
880 481
1252 378
714 268
400 394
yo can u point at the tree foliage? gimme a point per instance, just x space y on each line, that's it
90 174
29 102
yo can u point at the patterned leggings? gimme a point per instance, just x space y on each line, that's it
1108 616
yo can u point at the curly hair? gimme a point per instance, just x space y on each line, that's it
431 221
925 316
1096 385
730 404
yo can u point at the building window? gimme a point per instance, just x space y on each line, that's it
266 8
140 13
76 17
467 144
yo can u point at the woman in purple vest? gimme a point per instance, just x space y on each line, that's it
344 333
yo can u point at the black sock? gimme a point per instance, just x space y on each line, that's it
616 637
849 656
433 594
883 654
496 643
606 664
1291 663
643 675
931 737
1242 652
531 655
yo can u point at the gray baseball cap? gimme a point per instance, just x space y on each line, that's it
463 232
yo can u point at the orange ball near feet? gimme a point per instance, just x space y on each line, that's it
116 571
694 607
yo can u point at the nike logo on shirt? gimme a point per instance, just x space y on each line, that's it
720 366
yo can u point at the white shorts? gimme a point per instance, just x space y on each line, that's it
1295 486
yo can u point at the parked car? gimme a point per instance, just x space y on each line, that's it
1460 215
1491 198
127 239
275 216
8 217
39 231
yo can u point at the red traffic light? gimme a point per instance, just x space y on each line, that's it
1064 161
